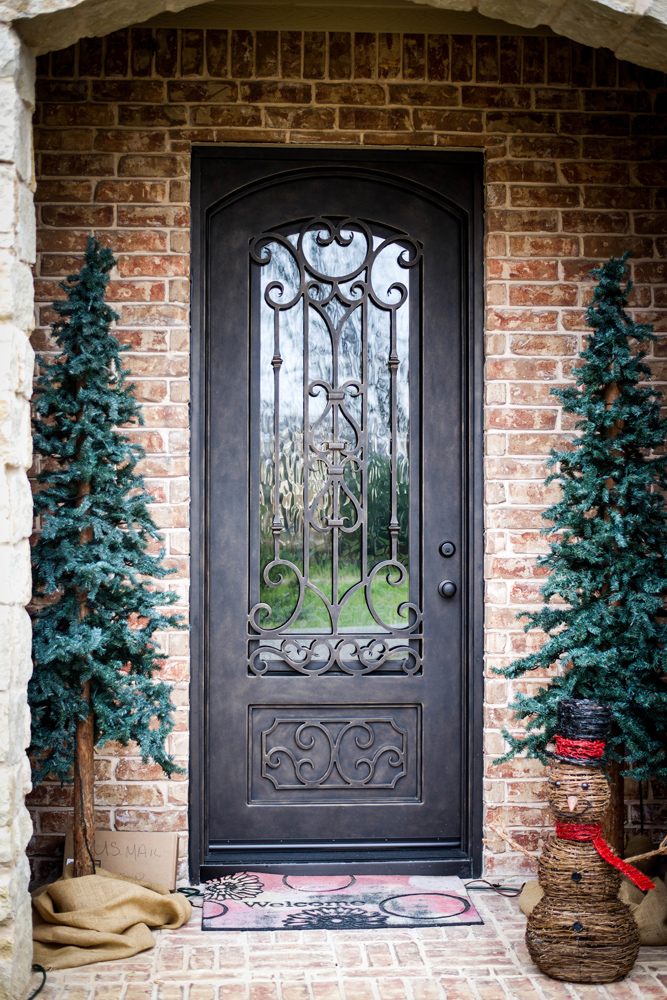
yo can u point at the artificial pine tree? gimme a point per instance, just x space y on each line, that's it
608 551
94 647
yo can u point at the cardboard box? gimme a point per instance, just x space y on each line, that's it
148 856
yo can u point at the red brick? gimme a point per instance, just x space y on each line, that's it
71 115
151 166
141 57
216 50
345 93
362 119
534 62
523 222
423 95
558 147
131 191
77 164
140 115
448 121
543 295
152 216
192 52
294 117
531 171
595 173
520 419
389 55
548 99
340 55
597 100
575 124
398 138
595 222
135 291
462 58
51 191
77 215
523 270
414 57
241 53
437 57
173 820
510 59
148 265
116 54
533 346
521 319
649 223
50 239
544 197
166 52
495 97
544 246
655 272
532 444
49 90
129 140
276 93
616 149
616 197
365 55
607 246
90 56
582 66
72 138
487 69
520 121
153 315
140 91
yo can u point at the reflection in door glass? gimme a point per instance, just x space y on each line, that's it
336 582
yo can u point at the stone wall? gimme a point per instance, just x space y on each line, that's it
17 253
573 141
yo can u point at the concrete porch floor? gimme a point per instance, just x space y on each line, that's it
456 963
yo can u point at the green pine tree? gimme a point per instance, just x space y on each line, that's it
608 548
94 648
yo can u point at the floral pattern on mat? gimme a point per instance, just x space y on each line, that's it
260 901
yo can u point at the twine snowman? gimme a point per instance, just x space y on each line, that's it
580 931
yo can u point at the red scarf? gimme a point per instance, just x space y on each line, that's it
592 833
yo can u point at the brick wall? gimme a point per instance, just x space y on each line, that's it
573 142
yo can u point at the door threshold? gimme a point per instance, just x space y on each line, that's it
313 862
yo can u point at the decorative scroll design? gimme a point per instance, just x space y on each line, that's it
329 752
348 654
335 457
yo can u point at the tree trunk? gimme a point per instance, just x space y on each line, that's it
614 825
84 794
84 761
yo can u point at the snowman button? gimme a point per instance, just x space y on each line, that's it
577 927
576 876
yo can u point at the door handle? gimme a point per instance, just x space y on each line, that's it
446 588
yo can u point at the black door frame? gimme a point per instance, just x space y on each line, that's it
467 862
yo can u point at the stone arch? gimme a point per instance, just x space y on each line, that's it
635 30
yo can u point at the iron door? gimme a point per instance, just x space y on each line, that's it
335 504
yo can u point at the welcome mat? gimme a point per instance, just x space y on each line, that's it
248 901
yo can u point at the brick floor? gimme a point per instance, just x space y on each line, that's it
454 963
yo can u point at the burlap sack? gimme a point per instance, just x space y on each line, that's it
649 911
530 896
100 917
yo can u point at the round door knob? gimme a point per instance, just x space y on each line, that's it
446 588
447 549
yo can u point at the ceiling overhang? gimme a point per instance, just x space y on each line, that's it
635 30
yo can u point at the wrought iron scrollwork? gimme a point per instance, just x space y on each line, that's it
325 753
335 455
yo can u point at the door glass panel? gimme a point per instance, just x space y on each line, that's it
335 412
